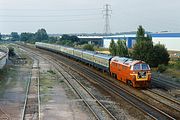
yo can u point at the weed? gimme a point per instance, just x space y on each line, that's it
51 71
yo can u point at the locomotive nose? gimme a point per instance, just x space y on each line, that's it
141 74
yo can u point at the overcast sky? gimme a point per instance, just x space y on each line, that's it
86 16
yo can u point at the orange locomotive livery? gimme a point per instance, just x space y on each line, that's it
133 72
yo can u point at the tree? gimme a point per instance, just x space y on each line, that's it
41 35
52 39
140 35
27 37
112 48
15 36
69 40
121 48
159 56
142 50
72 38
88 47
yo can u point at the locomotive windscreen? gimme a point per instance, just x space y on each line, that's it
142 66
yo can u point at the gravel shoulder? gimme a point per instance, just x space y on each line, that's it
58 102
13 82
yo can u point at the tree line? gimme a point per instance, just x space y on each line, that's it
143 49
42 36
119 48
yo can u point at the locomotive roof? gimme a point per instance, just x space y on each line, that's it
124 60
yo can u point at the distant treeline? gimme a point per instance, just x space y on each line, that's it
42 36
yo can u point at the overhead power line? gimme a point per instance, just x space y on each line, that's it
48 15
88 9
73 20
106 14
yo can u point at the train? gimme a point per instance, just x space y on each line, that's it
135 73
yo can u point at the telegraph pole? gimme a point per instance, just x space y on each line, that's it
107 14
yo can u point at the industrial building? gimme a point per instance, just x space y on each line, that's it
170 40
129 38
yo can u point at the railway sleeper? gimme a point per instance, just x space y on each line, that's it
31 109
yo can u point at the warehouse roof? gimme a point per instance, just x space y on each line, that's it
165 34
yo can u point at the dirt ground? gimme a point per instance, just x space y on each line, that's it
57 101
13 83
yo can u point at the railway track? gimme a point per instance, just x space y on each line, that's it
164 84
3 115
95 106
169 104
148 109
128 96
31 110
166 79
172 102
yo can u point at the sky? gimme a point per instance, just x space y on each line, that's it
86 16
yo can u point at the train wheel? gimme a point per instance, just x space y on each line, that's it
115 76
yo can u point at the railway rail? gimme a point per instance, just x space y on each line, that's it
167 85
95 106
150 110
170 104
3 115
89 99
128 96
31 110
166 79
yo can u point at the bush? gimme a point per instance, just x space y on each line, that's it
11 51
88 47
162 68
177 64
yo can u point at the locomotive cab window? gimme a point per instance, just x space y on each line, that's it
141 67
145 67
137 67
